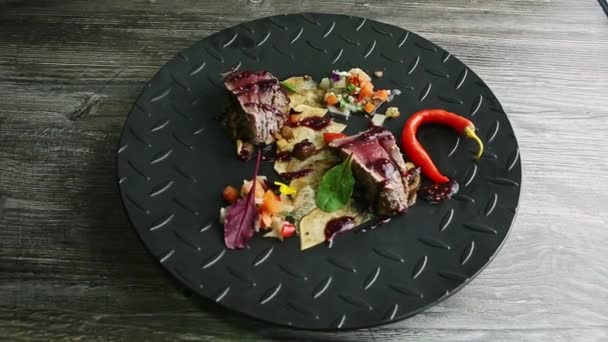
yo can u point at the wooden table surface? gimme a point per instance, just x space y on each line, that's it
72 268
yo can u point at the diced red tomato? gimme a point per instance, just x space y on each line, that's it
329 137
288 230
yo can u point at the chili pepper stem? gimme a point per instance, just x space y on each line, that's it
469 132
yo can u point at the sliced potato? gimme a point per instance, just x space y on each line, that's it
312 226
317 161
301 133
318 166
308 102
281 144
312 229
312 180
302 82
333 127
307 111
302 182
304 202
280 166
307 92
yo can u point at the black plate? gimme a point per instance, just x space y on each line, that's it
174 160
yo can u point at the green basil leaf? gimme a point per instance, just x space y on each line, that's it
336 187
289 87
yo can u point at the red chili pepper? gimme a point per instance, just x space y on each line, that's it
416 152
288 230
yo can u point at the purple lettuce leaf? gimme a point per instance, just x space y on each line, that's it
240 217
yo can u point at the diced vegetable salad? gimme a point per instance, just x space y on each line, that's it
353 91
272 209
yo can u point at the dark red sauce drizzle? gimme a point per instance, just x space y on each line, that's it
259 86
338 225
289 176
435 192
367 136
245 155
314 122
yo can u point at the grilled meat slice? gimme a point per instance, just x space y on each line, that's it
259 106
378 168
267 92
240 79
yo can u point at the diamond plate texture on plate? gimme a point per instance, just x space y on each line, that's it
174 159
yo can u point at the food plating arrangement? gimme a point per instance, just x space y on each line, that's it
330 182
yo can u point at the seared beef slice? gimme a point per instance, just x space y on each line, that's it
378 167
259 106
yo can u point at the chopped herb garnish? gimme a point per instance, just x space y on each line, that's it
351 88
289 87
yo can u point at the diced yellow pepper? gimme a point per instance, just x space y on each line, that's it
285 189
